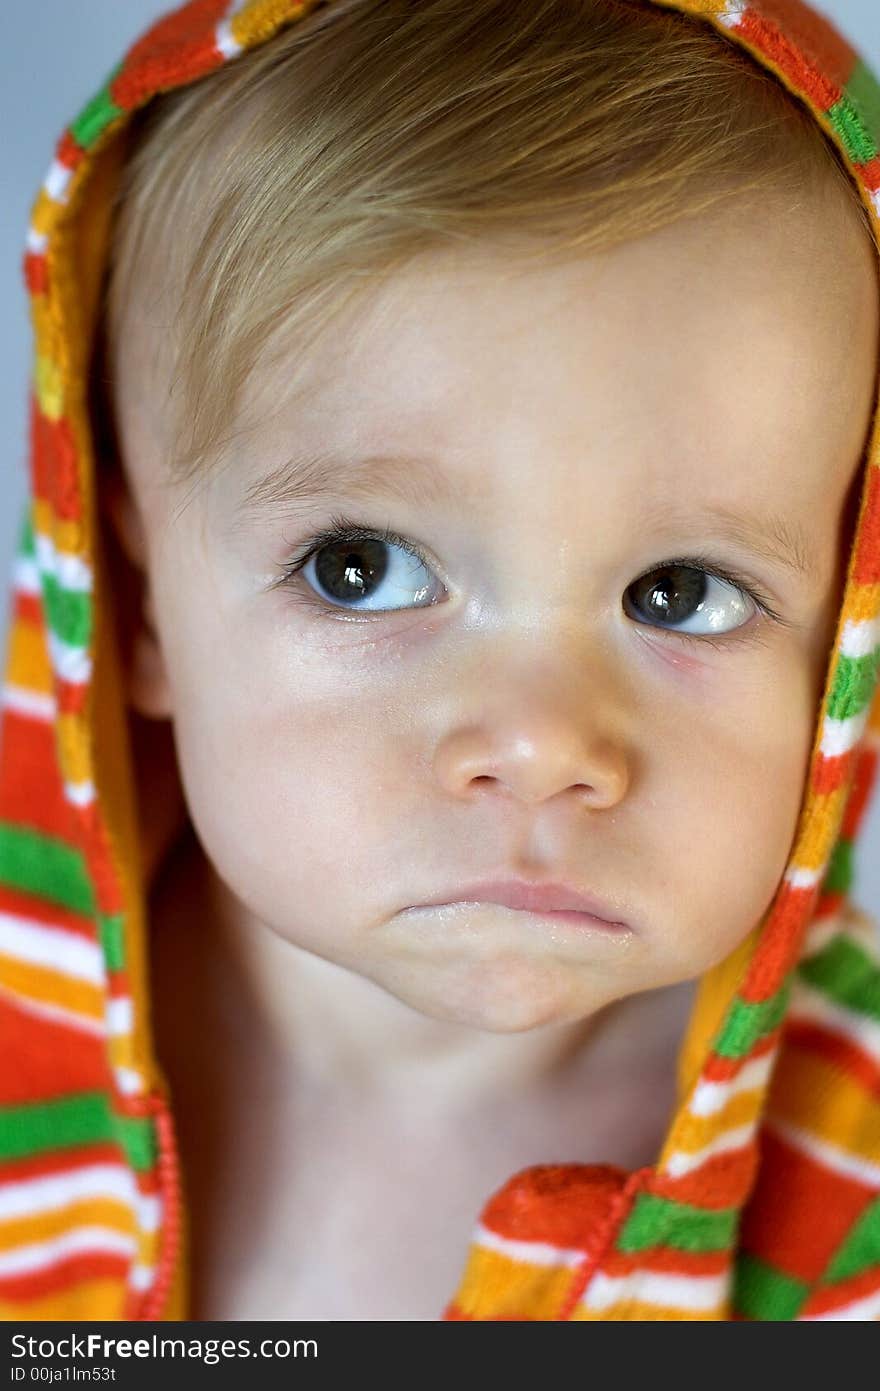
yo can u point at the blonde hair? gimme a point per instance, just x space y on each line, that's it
289 180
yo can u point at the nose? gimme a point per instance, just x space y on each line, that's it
533 750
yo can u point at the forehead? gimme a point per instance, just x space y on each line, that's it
757 324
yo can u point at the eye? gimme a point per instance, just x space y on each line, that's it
691 601
363 570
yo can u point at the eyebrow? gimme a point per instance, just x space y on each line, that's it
311 479
306 481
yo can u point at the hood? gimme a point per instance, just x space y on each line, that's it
763 1202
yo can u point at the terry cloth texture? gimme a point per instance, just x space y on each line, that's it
764 1202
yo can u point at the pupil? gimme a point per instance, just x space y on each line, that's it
677 593
350 570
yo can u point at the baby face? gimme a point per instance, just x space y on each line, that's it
583 635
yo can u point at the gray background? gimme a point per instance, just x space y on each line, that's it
55 56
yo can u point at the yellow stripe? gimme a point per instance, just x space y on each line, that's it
44 212
495 1285
45 1226
66 535
50 988
48 343
29 665
261 18
49 386
121 1051
92 1299
811 1093
699 1131
73 747
824 812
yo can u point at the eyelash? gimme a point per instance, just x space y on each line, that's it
343 528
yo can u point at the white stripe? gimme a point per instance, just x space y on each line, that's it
839 736
60 951
804 878
862 1309
860 639
71 663
41 1254
227 45
851 1165
811 1006
850 922
56 1014
32 704
129 1081
875 199
119 1015
56 181
80 794
36 241
536 1252
52 1192
141 1276
26 575
680 1162
820 933
71 571
703 1292
224 41
732 13
711 1097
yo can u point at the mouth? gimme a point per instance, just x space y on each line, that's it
559 902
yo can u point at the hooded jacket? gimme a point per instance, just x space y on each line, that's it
764 1202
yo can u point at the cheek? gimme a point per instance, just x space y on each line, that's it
741 778
288 781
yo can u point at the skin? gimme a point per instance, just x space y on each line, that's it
338 768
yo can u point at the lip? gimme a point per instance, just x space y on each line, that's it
533 897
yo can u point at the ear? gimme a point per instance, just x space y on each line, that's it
147 687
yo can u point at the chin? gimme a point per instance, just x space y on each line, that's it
497 999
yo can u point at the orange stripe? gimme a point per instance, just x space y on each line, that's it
800 1212
722 1182
831 1297
65 1275
666 1259
45 1059
48 914
60 1161
836 1049
809 1092
720 1069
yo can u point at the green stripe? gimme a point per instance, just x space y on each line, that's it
844 972
96 114
84 1119
658 1221
855 680
112 940
863 90
69 611
748 1022
861 1249
26 544
42 865
760 1291
839 874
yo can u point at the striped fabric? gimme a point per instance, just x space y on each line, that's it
764 1202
